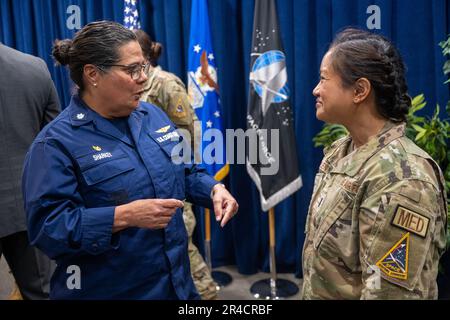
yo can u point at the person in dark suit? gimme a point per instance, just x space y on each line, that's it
28 101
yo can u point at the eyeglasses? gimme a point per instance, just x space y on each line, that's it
134 70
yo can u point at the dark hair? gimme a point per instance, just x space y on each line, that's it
152 50
359 54
97 43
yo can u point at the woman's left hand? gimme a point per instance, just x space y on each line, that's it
225 206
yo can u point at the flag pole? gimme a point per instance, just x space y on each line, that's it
207 107
273 288
273 266
208 238
222 278
266 96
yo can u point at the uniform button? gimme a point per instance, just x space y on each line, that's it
95 246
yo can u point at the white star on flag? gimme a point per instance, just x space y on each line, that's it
211 56
197 48
217 114
131 15
209 124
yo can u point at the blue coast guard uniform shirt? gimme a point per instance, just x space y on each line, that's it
79 168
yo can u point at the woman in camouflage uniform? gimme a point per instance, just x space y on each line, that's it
168 92
377 218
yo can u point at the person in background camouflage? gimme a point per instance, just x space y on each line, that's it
377 218
168 92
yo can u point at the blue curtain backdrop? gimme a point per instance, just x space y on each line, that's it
307 27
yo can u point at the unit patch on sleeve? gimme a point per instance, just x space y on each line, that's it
394 263
179 111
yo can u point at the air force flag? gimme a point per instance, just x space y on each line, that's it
269 108
203 88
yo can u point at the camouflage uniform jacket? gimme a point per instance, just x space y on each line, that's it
167 91
376 223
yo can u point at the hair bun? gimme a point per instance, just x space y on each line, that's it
156 50
61 51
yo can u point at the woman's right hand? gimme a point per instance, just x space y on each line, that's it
148 213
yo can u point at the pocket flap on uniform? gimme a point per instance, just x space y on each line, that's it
88 157
332 216
107 170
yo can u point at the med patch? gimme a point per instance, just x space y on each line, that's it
411 221
394 263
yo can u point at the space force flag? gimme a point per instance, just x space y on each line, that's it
269 108
203 90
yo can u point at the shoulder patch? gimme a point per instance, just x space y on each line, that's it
180 109
411 221
394 263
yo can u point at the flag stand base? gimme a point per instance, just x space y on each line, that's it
273 288
221 278
263 290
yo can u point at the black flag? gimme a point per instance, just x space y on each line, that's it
275 170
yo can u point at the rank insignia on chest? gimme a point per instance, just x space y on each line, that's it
394 263
319 202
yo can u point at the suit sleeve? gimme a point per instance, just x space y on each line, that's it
51 106
58 222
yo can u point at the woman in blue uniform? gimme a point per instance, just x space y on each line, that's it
102 195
